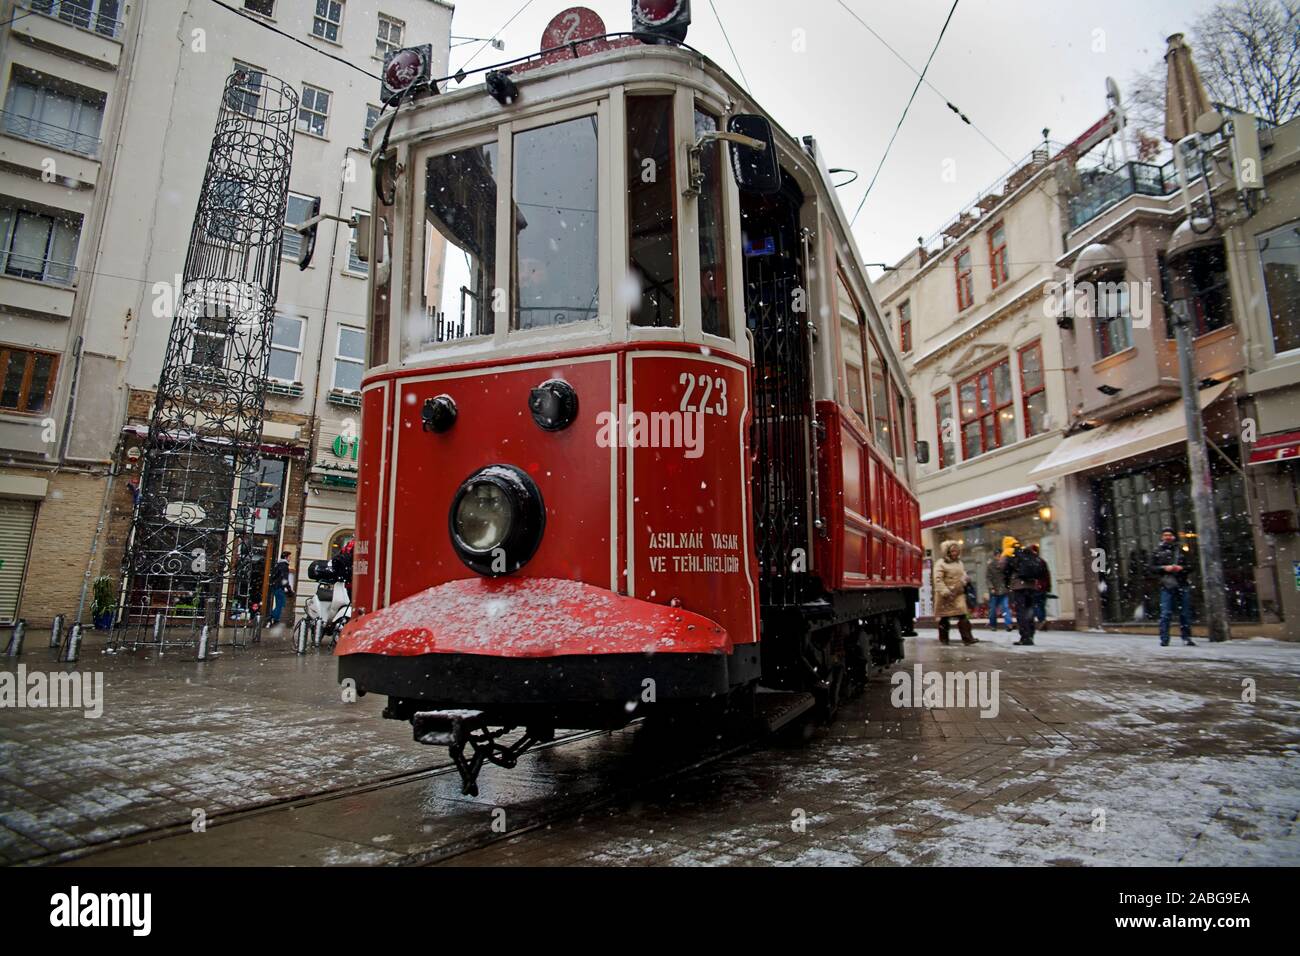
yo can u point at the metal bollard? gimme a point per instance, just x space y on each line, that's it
74 645
257 627
320 632
203 644
300 637
56 632
157 628
16 638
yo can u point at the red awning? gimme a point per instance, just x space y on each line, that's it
1276 447
993 504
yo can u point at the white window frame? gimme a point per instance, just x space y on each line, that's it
258 13
352 264
297 352
365 133
385 44
320 24
339 357
291 243
261 75
8 226
325 116
15 121
1282 230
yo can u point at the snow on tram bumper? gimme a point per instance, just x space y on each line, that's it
487 642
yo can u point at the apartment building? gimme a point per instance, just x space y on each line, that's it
109 112
971 311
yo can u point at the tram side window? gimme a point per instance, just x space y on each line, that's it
460 246
879 398
651 198
713 244
555 268
851 346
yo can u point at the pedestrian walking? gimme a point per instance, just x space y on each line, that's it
950 581
281 587
1024 570
1043 591
999 596
1167 562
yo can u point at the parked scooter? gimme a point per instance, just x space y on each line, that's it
331 602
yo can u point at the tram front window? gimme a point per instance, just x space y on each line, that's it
555 267
460 244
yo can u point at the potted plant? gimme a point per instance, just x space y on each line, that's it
102 602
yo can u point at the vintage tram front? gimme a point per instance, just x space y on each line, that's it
569 513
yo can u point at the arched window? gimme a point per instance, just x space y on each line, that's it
337 540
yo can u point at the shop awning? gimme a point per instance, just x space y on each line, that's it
1276 447
1126 438
979 507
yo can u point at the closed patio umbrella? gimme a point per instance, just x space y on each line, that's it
1185 99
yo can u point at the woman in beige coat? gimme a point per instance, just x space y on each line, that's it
950 593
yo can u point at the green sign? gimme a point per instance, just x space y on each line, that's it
344 448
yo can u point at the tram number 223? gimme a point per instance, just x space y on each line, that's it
712 394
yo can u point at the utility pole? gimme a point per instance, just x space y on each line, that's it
1214 604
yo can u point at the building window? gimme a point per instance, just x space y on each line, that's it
263 8
965 280
208 349
945 428
99 16
36 246
297 211
998 254
26 379
64 120
337 540
372 117
247 95
1112 324
313 110
1033 389
554 270
905 328
1209 300
328 20
988 420
651 201
389 39
286 349
349 359
712 237
354 263
1279 255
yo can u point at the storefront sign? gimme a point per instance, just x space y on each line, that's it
345 448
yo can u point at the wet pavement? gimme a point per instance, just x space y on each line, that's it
1104 749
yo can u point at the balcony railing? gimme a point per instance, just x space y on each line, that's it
16 265
1102 188
25 127
85 14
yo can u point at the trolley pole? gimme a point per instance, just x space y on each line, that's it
1215 604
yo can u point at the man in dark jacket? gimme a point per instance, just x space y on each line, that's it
1167 562
1024 569
281 587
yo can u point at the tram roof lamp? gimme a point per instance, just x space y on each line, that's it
659 21
501 88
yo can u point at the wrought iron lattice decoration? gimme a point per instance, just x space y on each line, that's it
188 533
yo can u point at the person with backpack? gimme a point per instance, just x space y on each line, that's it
281 587
999 596
1024 570
1044 590
1167 562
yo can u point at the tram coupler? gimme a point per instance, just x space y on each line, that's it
456 729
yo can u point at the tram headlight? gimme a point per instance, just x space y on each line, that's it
496 520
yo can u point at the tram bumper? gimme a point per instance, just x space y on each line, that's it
537 642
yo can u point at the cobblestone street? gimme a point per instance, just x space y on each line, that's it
1104 749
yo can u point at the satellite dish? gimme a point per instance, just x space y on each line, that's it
1112 90
1207 124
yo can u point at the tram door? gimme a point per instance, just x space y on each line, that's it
775 288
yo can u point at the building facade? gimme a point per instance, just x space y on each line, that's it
970 310
109 111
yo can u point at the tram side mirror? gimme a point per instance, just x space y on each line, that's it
754 164
363 236
308 235
922 452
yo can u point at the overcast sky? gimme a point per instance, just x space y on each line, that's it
1012 66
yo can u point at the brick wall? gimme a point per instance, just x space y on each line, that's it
61 544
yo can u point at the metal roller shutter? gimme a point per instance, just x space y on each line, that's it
16 520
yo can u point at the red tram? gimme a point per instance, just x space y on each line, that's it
634 436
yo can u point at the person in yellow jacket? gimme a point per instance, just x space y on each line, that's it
950 593
999 594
